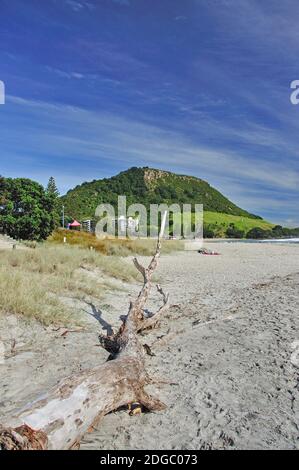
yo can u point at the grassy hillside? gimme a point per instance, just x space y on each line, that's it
147 186
220 222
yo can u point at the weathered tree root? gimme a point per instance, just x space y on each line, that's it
59 419
22 438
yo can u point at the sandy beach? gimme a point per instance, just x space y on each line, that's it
228 344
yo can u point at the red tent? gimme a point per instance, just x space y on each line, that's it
75 224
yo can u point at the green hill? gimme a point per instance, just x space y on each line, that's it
219 223
148 186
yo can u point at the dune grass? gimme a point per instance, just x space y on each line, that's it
42 282
35 282
116 247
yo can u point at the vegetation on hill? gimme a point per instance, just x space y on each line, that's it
147 186
225 226
257 233
29 212
231 226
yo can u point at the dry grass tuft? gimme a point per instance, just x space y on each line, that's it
42 282
117 247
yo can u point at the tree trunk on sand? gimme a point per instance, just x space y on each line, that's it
59 419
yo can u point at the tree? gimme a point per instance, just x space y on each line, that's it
208 232
27 211
233 232
52 191
257 233
52 188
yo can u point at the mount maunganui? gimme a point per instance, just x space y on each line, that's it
147 186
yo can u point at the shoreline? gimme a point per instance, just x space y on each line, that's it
251 240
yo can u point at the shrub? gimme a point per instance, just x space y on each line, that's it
233 232
258 233
208 232
279 232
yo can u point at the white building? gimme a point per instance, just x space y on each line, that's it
127 224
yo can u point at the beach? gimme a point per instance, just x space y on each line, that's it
227 347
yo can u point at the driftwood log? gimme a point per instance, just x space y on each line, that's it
60 418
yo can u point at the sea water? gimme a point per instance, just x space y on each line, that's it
274 240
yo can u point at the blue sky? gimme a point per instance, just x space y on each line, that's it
200 87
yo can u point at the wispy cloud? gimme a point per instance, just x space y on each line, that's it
122 2
199 88
2 93
77 6
106 139
180 18
64 74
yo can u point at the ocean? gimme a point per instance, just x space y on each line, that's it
275 240
278 240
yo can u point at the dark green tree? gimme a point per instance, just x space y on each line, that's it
27 211
257 233
52 188
208 232
234 232
52 191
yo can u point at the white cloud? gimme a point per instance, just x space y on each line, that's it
180 18
122 2
77 6
110 138
69 75
2 93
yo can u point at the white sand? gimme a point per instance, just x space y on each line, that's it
228 343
